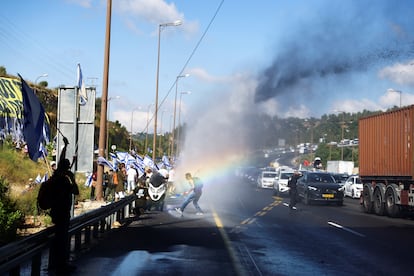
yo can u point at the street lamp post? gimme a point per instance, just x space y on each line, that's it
175 109
160 141
41 76
132 119
107 124
160 26
342 132
170 142
146 130
391 90
179 120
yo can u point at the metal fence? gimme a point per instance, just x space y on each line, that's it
32 253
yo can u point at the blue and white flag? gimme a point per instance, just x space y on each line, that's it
88 181
166 162
148 162
83 96
122 156
104 162
38 179
44 178
33 121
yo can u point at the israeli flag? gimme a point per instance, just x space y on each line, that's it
83 97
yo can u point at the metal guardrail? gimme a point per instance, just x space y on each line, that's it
29 252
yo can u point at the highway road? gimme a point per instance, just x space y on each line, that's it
248 231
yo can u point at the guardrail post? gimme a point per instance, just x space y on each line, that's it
36 263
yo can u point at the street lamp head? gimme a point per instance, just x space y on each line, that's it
183 76
392 90
186 92
175 23
41 76
114 98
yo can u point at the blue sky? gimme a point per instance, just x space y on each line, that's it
287 58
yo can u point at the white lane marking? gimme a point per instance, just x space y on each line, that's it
346 229
287 205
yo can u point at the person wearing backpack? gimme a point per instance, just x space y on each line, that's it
64 187
193 194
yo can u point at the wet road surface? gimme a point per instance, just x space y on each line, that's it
248 231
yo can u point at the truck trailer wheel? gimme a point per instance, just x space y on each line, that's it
367 199
378 203
393 210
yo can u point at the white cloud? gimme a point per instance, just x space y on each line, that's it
153 12
139 120
353 106
203 75
400 73
82 3
385 101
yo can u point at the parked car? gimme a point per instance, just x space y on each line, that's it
266 179
353 187
280 185
319 187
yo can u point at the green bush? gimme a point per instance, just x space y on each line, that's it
10 217
27 201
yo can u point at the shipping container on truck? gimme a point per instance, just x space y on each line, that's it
386 162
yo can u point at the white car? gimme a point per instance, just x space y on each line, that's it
353 187
266 179
281 183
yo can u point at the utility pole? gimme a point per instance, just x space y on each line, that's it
104 103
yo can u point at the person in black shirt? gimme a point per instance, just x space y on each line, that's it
64 188
293 193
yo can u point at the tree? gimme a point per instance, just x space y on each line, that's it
43 83
10 217
3 71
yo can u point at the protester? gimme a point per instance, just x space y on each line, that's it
147 174
113 182
132 176
120 182
94 180
170 183
293 193
193 194
53 166
64 187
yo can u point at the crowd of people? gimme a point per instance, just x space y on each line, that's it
117 184
125 181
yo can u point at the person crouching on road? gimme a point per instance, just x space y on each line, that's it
193 194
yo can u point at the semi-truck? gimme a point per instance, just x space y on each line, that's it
386 162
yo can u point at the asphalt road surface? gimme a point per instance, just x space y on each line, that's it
248 231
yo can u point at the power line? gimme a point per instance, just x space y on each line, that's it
190 57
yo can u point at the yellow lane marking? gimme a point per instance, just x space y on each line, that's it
233 256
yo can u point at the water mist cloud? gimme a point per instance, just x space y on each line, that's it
218 135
